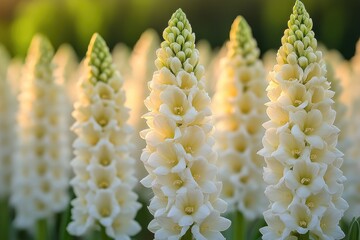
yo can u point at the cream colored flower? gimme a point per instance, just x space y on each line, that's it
211 227
276 228
104 171
303 164
239 107
41 168
166 228
178 155
136 87
350 136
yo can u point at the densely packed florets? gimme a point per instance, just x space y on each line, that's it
179 155
303 173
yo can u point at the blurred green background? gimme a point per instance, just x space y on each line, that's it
336 23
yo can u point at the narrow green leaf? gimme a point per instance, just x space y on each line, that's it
354 230
4 218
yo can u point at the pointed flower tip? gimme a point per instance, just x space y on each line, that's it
96 42
99 59
40 47
299 7
179 15
239 24
242 41
179 11
97 47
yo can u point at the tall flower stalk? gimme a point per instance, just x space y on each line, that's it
303 173
239 109
179 155
104 171
352 167
136 86
41 169
7 141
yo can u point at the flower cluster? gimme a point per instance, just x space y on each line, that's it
352 153
239 109
303 173
7 126
41 168
179 156
142 64
104 171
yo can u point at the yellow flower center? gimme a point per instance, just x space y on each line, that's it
189 210
310 204
296 153
189 149
313 157
308 130
197 176
103 184
297 102
178 110
105 96
305 181
303 224
178 183
177 228
105 212
103 122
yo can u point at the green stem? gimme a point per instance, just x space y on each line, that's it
188 235
4 218
104 236
65 219
41 230
305 236
239 226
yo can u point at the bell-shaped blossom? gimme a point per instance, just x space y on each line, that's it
239 109
104 171
300 143
40 179
179 156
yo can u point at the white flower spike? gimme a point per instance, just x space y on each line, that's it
304 181
179 156
239 109
41 169
104 171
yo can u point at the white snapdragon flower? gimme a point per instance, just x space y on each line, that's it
302 170
41 168
239 107
179 156
104 171
7 126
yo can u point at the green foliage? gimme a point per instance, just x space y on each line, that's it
354 230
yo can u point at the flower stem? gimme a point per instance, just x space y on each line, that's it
65 219
239 226
187 236
4 218
305 236
104 236
41 230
